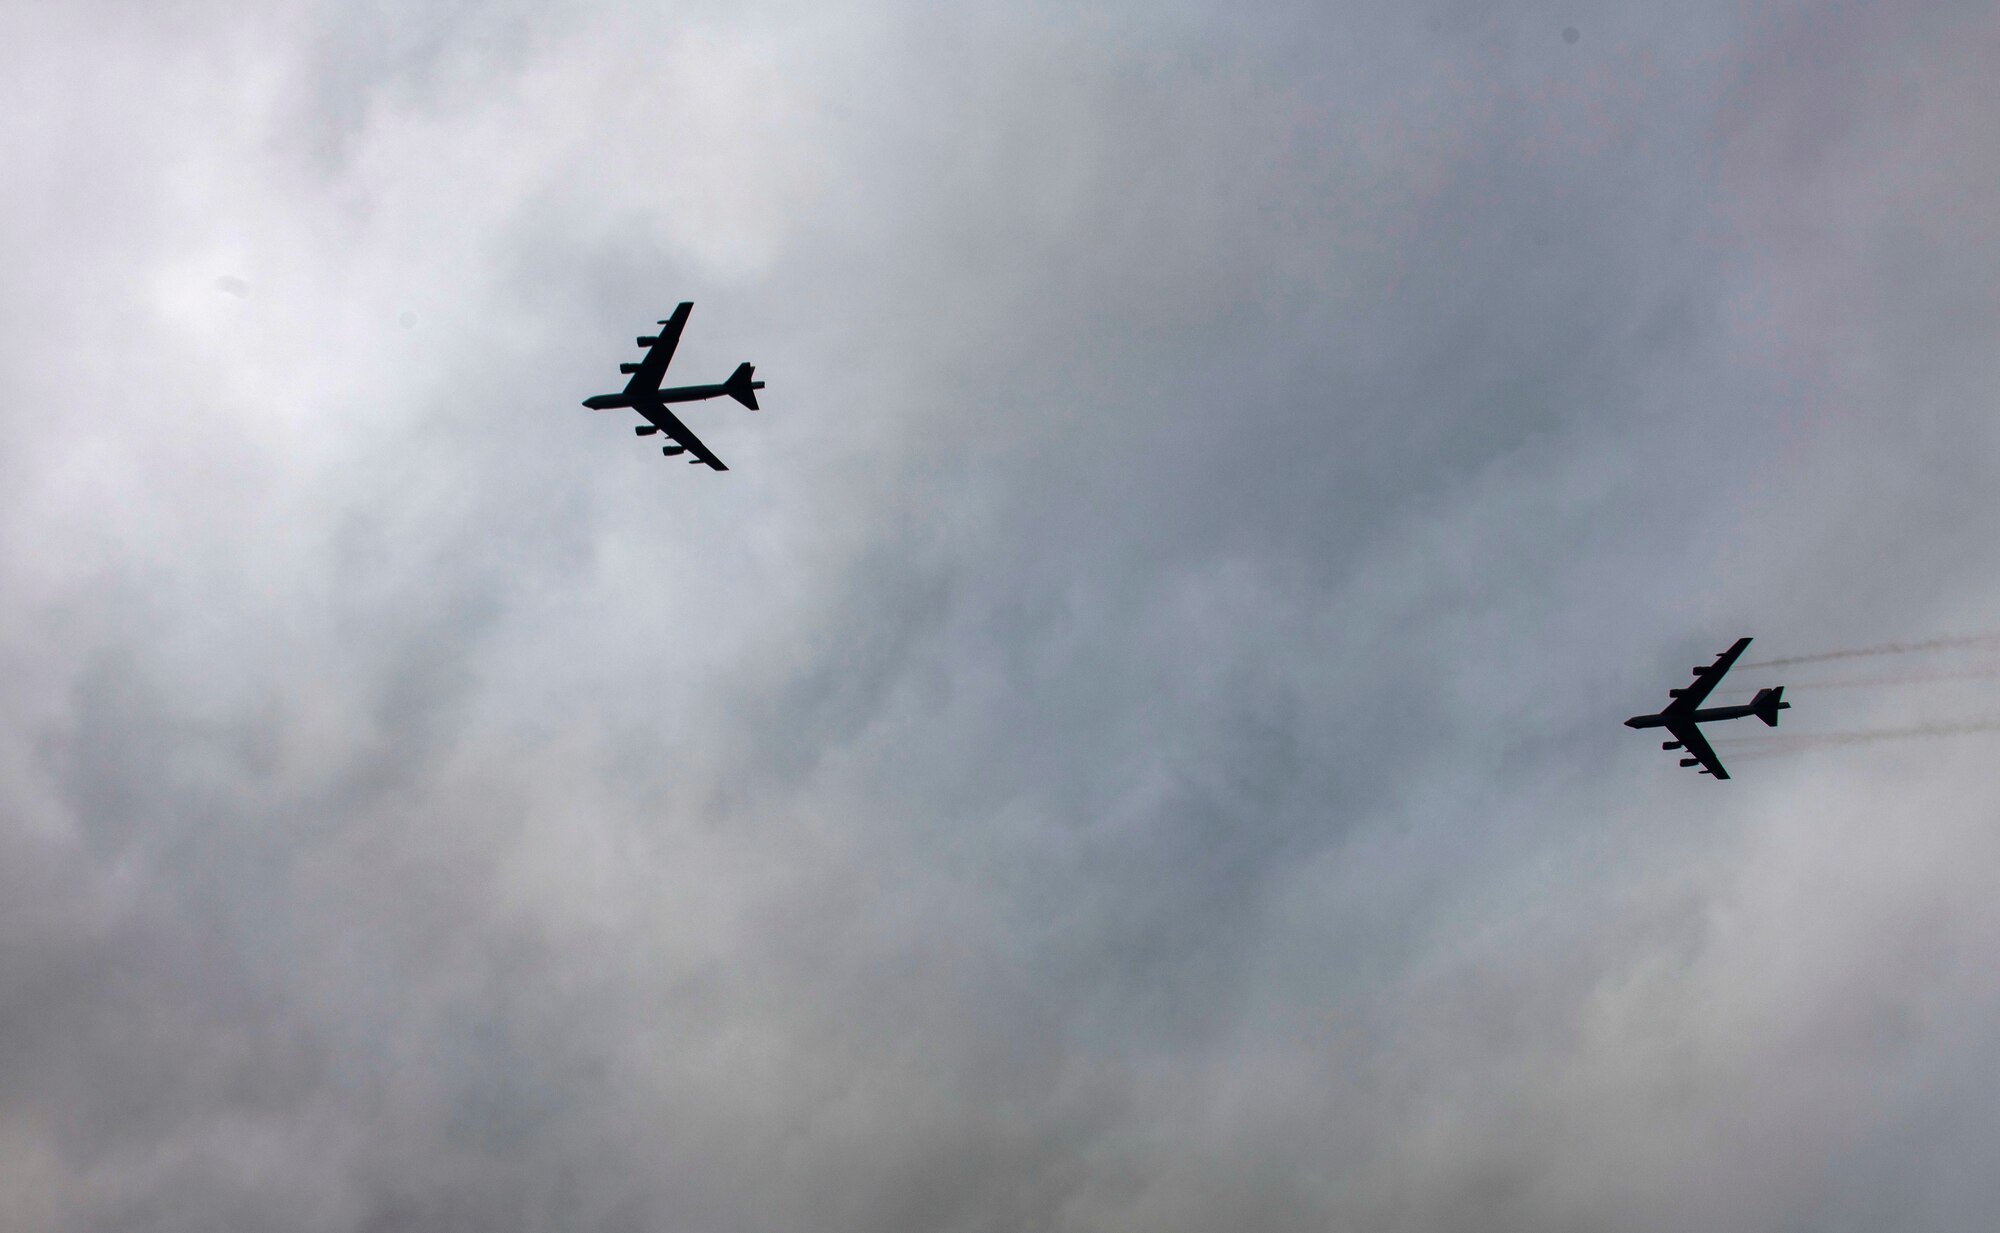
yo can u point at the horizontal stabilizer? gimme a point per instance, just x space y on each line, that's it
1768 703
741 387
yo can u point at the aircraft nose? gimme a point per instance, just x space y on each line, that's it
1634 721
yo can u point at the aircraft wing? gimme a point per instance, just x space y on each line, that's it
1697 746
670 424
1705 679
653 368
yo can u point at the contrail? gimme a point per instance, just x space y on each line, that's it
1970 673
1762 746
1965 642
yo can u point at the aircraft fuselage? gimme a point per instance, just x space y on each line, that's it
1710 715
684 393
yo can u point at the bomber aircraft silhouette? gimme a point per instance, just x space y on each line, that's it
644 395
1681 715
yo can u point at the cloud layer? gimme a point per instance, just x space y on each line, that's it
1131 744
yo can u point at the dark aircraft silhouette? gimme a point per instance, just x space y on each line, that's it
1680 716
644 395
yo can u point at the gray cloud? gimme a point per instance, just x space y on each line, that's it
1132 742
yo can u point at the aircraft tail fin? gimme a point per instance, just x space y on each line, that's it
741 387
1768 703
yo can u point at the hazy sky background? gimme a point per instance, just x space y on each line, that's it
1133 743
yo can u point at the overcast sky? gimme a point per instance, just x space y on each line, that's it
1131 745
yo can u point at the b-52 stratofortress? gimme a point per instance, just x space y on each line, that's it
1681 715
644 395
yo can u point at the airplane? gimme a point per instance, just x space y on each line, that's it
1681 716
644 395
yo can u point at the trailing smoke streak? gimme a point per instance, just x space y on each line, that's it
1982 672
1966 642
1765 746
